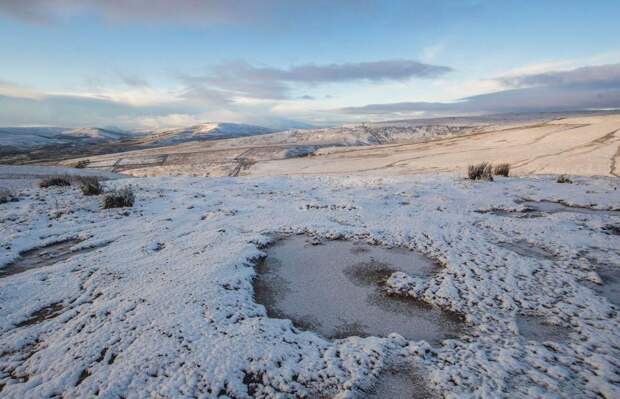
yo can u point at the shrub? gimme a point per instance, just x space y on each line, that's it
82 164
502 169
6 195
121 198
61 181
90 185
481 171
563 179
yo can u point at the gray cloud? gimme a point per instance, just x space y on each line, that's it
244 79
183 12
590 76
19 106
595 87
372 71
203 11
67 110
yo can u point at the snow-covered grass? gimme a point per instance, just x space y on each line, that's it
7 195
55 181
121 198
166 309
90 185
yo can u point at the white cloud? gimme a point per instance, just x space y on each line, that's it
430 53
18 91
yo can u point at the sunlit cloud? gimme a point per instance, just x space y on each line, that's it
593 87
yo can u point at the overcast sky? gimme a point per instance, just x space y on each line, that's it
158 63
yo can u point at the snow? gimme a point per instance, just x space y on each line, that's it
95 134
166 308
585 146
34 171
34 137
18 177
204 131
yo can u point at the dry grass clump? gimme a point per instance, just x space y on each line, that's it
121 198
6 195
90 185
502 169
60 181
82 164
564 179
481 171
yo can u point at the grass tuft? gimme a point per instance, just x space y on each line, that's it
121 198
481 171
564 179
82 164
502 169
7 195
60 181
90 185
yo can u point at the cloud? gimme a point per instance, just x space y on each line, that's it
593 87
430 53
179 11
76 110
134 80
13 90
128 108
243 79
375 71
590 76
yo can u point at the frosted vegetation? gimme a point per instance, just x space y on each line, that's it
158 299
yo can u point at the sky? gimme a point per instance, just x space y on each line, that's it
281 63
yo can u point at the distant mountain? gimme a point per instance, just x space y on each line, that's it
280 124
202 132
96 134
28 144
23 138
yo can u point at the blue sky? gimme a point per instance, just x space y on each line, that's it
139 63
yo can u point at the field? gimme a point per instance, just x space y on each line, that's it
584 145
513 284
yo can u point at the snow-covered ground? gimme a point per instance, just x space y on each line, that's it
164 307
577 145
18 177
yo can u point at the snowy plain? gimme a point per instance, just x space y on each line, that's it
164 306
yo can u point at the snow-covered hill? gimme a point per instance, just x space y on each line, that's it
17 142
96 134
23 138
204 131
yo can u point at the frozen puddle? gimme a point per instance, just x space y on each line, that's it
535 328
335 290
45 256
